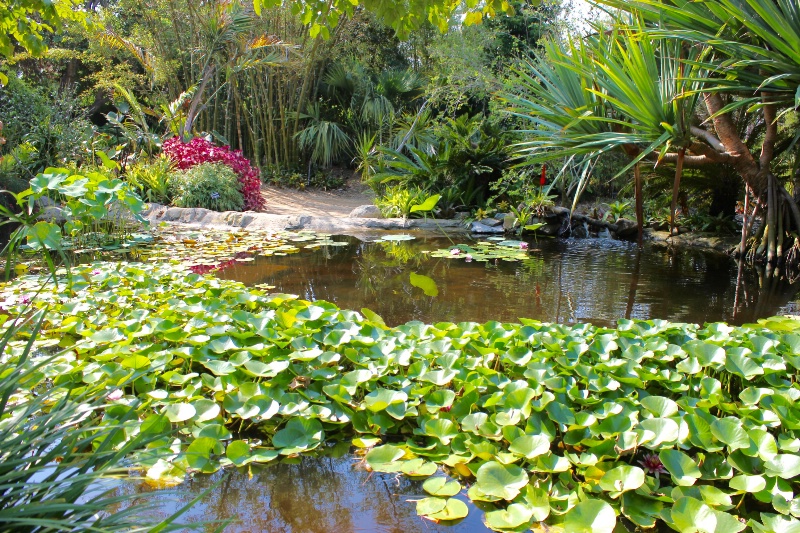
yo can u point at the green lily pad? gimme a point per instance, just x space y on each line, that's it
503 481
441 486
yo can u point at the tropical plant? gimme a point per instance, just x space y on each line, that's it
636 87
397 201
324 140
617 210
150 178
208 185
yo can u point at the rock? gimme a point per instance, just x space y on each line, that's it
508 222
580 230
626 228
52 214
491 222
501 216
477 227
366 211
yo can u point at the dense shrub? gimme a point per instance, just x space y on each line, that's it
209 185
43 128
197 151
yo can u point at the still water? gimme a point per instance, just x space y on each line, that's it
592 280
565 281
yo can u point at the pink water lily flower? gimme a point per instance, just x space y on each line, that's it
468 258
455 251
523 246
114 395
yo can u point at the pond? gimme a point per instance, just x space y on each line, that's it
570 281
564 281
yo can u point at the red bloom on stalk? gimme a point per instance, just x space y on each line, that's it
197 151
543 178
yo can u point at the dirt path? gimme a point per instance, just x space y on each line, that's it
338 203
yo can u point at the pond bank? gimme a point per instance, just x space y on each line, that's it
204 218
357 227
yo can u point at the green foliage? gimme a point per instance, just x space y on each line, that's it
150 178
468 156
325 179
657 422
43 127
59 449
397 201
617 210
324 140
208 185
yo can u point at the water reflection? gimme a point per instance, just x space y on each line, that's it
311 495
565 281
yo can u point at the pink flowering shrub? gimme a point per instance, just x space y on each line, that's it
196 151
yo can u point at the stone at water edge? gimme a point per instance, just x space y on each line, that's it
626 228
477 227
366 211
491 222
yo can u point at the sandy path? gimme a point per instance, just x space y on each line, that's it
338 203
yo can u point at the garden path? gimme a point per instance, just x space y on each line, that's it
315 202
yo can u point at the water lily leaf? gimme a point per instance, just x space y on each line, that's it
690 515
590 516
730 431
427 506
205 410
745 483
380 399
200 451
238 452
179 412
658 432
441 486
453 510
397 238
439 378
537 500
503 481
622 479
707 354
773 523
530 446
425 283
743 366
136 362
441 428
682 468
299 434
511 517
385 458
640 510
219 368
762 445
440 399
784 466
418 468
215 431
265 370
660 406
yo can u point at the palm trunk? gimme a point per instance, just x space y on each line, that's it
675 190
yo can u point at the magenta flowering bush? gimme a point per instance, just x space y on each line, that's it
197 151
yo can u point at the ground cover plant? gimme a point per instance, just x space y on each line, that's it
578 426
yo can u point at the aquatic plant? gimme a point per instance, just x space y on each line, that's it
543 422
197 151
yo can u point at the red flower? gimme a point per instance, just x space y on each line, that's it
543 178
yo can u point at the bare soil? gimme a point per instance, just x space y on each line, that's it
316 202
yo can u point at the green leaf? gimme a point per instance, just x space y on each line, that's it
784 466
425 283
238 452
622 479
730 431
511 517
298 435
385 458
745 483
530 446
179 412
590 516
380 399
428 205
503 481
682 468
441 486
200 451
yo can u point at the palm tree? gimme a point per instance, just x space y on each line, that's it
637 87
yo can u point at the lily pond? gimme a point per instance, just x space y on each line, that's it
448 386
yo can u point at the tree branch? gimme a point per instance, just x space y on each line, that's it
708 137
770 135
